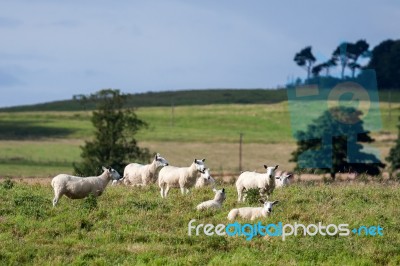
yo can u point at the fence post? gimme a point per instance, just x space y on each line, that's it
240 152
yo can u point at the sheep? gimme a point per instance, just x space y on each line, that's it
140 175
75 187
282 179
205 179
182 177
252 212
264 182
216 203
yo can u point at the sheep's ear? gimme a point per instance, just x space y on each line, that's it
215 190
103 168
261 201
275 202
195 160
203 160
276 167
223 190
265 166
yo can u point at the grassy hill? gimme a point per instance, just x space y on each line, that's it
134 226
168 98
186 98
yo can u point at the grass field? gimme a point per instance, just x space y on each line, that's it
135 226
46 143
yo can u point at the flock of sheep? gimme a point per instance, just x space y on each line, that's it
135 174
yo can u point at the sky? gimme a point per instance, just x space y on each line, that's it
52 49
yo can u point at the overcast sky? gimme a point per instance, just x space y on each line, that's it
51 50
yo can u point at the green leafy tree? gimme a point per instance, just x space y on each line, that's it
348 54
114 130
394 154
305 59
385 60
337 120
328 65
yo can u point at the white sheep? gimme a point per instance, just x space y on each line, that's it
75 187
205 179
252 212
179 177
215 203
264 182
282 179
140 175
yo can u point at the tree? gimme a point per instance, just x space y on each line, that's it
114 130
394 154
357 50
317 69
341 54
305 59
328 65
337 120
385 60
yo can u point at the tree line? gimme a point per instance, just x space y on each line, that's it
383 58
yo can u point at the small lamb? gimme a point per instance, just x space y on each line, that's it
75 187
141 175
216 203
282 180
264 182
205 179
252 213
179 177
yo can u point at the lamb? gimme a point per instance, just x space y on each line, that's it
140 175
205 179
75 187
251 212
216 203
282 179
264 182
182 177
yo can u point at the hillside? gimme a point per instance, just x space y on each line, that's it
168 98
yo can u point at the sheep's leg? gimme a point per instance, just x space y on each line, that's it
56 198
239 191
183 190
166 191
162 186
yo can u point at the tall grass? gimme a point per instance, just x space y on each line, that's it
135 226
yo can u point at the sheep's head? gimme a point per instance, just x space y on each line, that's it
200 166
219 194
207 176
284 178
271 171
112 173
268 205
160 161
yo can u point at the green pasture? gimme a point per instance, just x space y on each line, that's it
44 143
133 226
